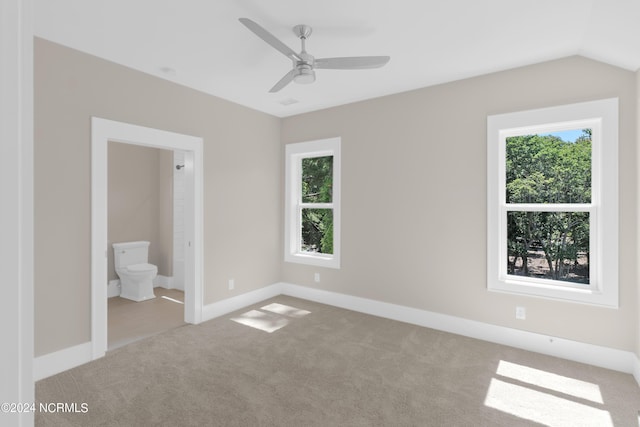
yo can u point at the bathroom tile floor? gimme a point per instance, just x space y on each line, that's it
130 321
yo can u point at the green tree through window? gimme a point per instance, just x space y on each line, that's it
545 169
317 187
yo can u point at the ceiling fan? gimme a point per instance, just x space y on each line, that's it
304 64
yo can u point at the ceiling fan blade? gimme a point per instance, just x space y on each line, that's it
270 39
351 62
288 78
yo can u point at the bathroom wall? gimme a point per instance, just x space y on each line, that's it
165 174
140 202
241 191
178 222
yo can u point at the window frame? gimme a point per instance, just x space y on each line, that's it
294 153
602 117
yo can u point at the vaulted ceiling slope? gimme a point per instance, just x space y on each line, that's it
201 43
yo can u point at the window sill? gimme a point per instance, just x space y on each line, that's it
314 259
560 293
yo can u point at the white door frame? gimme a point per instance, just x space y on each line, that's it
16 215
103 131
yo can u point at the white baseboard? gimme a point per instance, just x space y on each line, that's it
168 282
605 357
619 360
163 282
178 274
113 288
636 368
177 284
60 361
220 308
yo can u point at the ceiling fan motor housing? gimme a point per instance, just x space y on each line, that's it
304 69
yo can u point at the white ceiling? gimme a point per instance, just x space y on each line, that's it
201 44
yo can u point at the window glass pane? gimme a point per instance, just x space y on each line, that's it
549 167
549 245
317 179
317 231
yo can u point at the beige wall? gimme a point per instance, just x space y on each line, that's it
414 198
242 164
414 191
140 202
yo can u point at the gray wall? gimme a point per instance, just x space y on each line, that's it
140 202
414 198
242 164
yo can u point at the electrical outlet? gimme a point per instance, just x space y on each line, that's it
521 313
232 284
316 277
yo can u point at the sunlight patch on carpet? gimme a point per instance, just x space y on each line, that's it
286 310
548 380
544 408
264 321
546 398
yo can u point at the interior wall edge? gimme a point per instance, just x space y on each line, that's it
16 216
637 122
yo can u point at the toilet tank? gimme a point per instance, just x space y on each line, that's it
129 253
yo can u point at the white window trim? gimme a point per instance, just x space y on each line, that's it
603 209
294 154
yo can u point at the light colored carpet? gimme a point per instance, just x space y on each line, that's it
325 366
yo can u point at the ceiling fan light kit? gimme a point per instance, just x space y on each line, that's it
304 64
304 75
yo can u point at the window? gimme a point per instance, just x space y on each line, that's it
553 202
312 203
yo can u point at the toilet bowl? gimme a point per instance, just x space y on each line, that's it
136 274
137 281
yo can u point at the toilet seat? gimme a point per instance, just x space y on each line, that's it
140 268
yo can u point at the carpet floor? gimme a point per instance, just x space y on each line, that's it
292 362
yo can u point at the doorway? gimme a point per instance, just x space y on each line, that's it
103 131
145 203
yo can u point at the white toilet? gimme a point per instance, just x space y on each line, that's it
136 274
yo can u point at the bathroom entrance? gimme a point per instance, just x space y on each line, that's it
142 211
145 236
